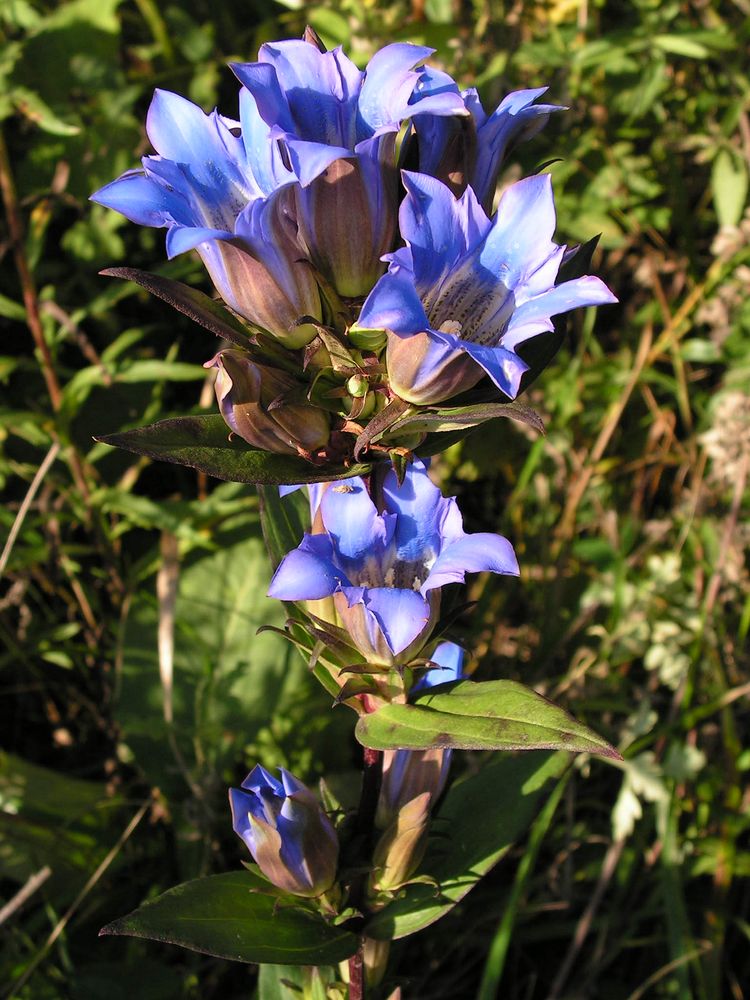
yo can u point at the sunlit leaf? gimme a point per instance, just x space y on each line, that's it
234 916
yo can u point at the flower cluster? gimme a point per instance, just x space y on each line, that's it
294 209
370 306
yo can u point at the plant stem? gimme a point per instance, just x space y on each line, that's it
357 975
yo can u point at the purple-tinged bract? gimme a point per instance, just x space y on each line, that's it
384 568
466 290
286 831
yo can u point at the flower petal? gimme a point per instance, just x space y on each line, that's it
400 614
420 507
472 554
521 237
393 304
140 199
450 659
439 228
308 572
352 521
503 366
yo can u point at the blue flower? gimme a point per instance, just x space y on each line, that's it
338 126
467 289
286 831
470 150
221 187
385 567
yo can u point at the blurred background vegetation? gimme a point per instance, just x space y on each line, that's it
630 517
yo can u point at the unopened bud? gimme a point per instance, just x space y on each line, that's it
251 400
357 386
400 849
286 831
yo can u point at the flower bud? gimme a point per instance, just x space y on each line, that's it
407 774
367 633
423 370
400 849
286 831
251 400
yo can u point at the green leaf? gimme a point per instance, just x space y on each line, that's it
729 182
458 417
282 528
506 794
189 301
490 715
205 443
234 916
380 423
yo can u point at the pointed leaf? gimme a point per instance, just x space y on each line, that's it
459 417
380 423
205 443
235 916
189 301
507 793
491 715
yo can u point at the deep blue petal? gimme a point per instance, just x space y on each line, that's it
516 119
310 159
439 228
267 170
400 614
181 239
140 199
420 507
503 366
352 522
520 239
389 84
533 316
321 89
393 304
308 573
263 83
472 554
450 658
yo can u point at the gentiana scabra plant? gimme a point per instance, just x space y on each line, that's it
369 316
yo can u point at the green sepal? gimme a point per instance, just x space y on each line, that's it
237 916
205 443
490 715
507 793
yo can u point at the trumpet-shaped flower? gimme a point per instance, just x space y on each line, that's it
470 151
467 290
338 126
221 187
286 831
385 567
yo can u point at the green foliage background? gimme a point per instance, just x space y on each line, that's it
629 516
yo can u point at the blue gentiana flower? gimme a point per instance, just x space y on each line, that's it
466 290
470 151
286 831
221 187
337 126
384 568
